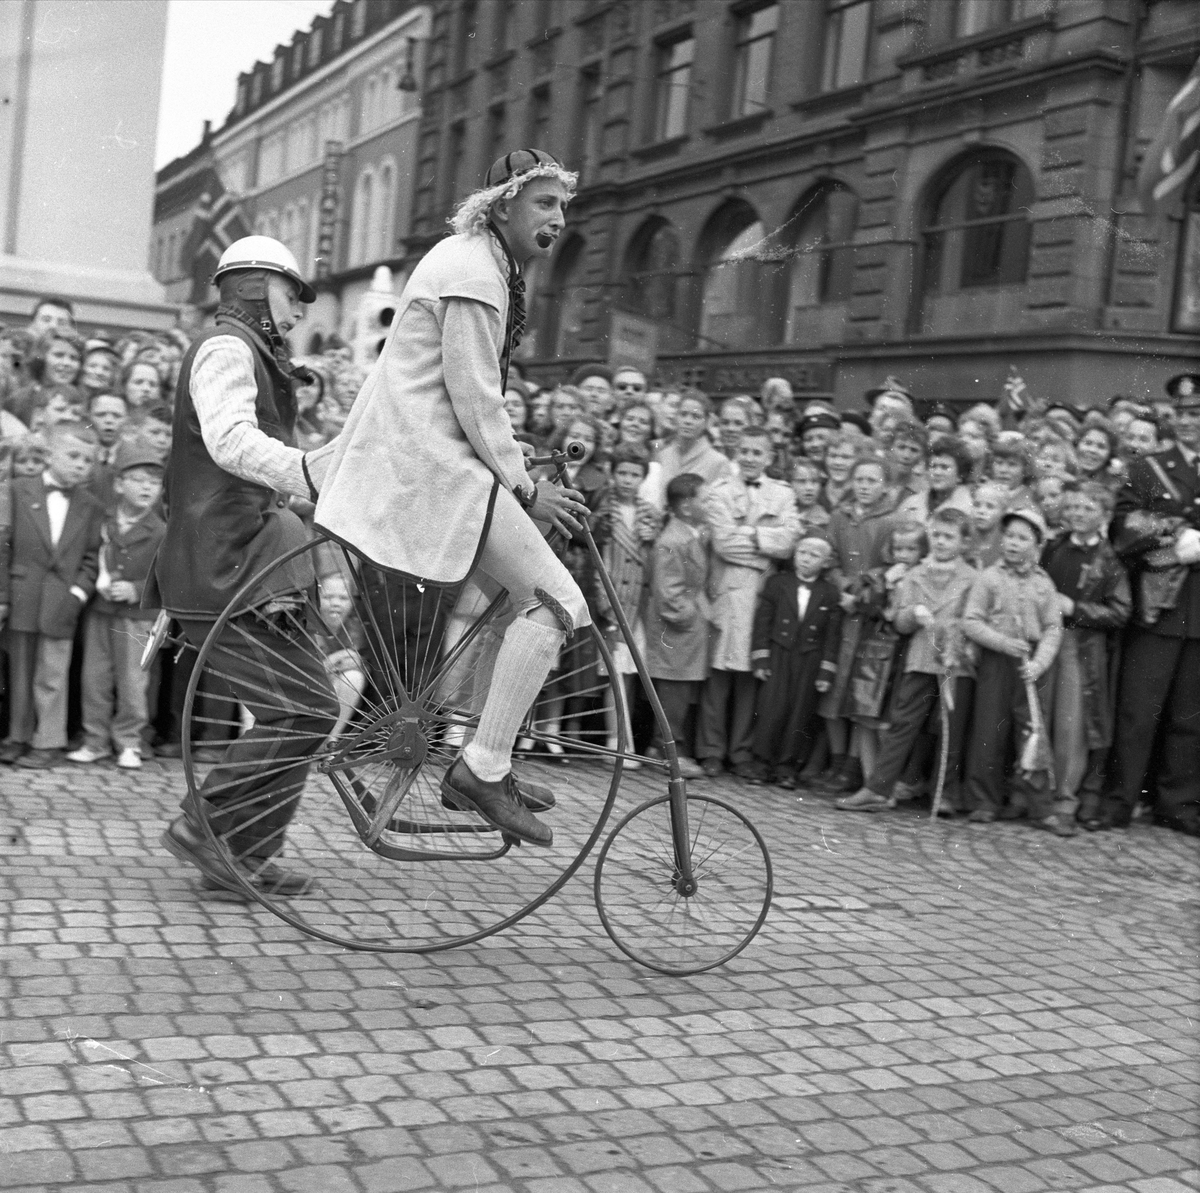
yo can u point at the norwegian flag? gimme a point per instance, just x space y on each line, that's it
217 221
1171 160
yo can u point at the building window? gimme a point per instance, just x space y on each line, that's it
591 124
847 40
468 38
277 73
673 81
563 329
458 147
362 218
539 118
979 16
505 22
297 59
242 97
653 274
339 32
256 86
1186 315
358 19
497 119
314 46
738 280
385 208
820 255
752 59
977 231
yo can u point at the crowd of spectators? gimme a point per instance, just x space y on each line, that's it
870 604
867 604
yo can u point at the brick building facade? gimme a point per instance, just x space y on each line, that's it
835 190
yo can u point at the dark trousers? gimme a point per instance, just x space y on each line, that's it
677 697
786 725
1000 721
254 791
726 722
915 708
1159 696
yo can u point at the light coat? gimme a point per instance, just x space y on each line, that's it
677 610
944 593
748 536
411 479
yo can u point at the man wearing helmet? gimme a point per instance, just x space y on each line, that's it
427 481
233 465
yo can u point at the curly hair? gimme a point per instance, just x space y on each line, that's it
473 213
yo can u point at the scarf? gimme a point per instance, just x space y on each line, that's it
516 306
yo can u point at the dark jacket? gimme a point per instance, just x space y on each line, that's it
222 530
1149 514
130 556
37 580
678 629
1102 608
777 620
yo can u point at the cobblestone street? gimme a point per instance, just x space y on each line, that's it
930 1008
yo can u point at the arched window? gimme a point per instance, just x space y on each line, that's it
370 116
362 218
653 273
300 242
819 252
977 226
739 274
384 230
561 332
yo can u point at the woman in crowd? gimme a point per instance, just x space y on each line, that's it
1096 451
947 472
141 385
690 449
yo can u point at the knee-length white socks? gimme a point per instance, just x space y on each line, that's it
522 664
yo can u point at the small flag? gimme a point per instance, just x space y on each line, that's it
1171 160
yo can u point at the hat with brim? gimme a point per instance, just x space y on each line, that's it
822 420
1031 517
1184 388
136 452
891 388
852 419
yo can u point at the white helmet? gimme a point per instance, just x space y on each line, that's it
263 252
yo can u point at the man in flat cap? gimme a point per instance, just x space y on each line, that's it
1156 531
428 484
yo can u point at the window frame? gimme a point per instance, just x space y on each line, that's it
742 52
831 80
665 86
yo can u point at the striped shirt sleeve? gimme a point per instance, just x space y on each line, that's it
225 395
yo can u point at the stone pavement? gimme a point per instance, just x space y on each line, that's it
930 1008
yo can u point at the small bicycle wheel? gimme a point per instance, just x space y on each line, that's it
640 893
324 707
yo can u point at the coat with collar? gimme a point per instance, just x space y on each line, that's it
915 506
37 581
749 535
130 556
411 479
677 611
944 592
1150 512
777 622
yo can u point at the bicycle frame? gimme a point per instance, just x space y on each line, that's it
676 785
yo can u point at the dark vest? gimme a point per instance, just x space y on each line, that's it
222 530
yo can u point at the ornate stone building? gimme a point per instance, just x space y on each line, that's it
835 190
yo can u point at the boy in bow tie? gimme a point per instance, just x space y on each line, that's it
47 574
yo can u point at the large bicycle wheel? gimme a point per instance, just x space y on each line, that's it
651 913
319 721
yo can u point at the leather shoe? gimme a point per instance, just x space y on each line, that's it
188 845
787 782
498 803
712 767
537 797
40 759
10 751
689 768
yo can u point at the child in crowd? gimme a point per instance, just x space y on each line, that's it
797 628
678 625
342 647
840 454
780 425
53 553
1095 597
990 505
1014 614
806 489
1049 491
116 627
156 428
107 414
1012 468
29 456
939 664
1141 437
627 527
754 523
860 531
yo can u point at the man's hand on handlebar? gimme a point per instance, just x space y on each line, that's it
563 509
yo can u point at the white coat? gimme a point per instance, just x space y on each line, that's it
410 481
751 529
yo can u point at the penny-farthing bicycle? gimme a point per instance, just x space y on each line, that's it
682 883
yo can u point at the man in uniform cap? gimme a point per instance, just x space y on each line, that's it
1156 530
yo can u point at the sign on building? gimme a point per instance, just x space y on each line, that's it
632 340
331 177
